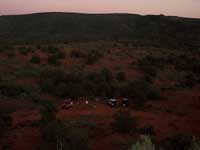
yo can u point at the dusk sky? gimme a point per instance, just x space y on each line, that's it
184 8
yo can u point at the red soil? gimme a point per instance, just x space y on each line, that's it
180 114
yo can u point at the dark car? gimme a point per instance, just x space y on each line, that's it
125 102
112 102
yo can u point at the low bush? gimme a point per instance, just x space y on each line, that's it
25 50
50 78
177 142
53 131
141 91
77 83
62 90
38 47
53 59
50 49
8 47
147 130
28 71
10 54
93 56
106 75
1 49
121 76
76 54
149 70
5 122
151 62
64 136
35 60
124 122
76 139
153 93
81 122
48 111
12 89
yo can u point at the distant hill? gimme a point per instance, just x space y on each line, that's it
62 27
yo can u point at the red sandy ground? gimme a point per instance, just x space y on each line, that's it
178 114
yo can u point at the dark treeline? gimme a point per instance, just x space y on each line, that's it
159 31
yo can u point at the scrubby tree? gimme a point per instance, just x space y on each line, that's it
124 122
25 50
35 60
65 136
177 142
5 122
121 76
93 56
76 54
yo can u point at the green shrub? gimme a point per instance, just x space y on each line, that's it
47 85
12 89
147 130
53 59
25 50
141 91
50 49
149 70
76 54
35 60
38 46
10 53
77 83
124 122
48 111
93 56
55 54
5 123
177 142
153 93
8 47
81 122
153 61
34 96
144 143
106 75
1 49
76 139
53 131
74 90
64 136
60 55
186 79
28 71
50 78
121 76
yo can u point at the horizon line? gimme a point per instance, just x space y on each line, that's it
96 13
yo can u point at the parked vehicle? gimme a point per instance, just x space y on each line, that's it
125 102
67 104
112 102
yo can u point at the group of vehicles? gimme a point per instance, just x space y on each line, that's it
123 102
67 104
